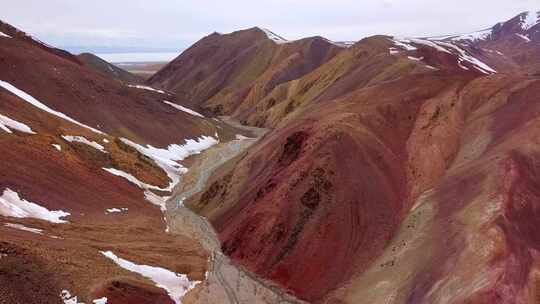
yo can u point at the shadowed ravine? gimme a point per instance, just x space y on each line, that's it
224 282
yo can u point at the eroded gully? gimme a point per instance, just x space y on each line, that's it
224 283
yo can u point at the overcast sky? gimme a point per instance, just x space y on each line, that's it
176 24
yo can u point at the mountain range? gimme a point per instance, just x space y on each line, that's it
253 169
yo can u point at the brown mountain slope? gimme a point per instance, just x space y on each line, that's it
89 97
394 168
78 177
223 73
371 61
14 32
110 70
279 91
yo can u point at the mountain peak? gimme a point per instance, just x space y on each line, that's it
529 19
272 36
518 25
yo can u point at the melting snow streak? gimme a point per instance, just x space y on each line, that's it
26 97
176 285
7 124
12 205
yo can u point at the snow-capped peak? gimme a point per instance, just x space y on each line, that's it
462 55
280 40
274 37
529 19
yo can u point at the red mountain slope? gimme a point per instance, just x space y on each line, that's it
398 170
393 169
64 130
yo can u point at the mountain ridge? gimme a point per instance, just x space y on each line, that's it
394 170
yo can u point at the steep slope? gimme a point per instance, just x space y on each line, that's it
511 46
134 112
87 164
398 170
396 167
320 197
468 237
226 73
8 30
110 70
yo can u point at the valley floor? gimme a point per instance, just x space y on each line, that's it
224 283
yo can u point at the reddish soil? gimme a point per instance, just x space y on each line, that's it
384 179
35 268
356 142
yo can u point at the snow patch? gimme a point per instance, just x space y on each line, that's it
160 201
460 64
168 158
475 36
24 228
28 98
241 137
344 44
176 285
115 210
57 147
445 47
415 58
149 195
4 35
83 140
464 56
529 19
7 124
100 301
131 178
524 37
403 43
12 205
146 88
66 296
429 44
40 42
179 107
407 44
272 36
393 51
